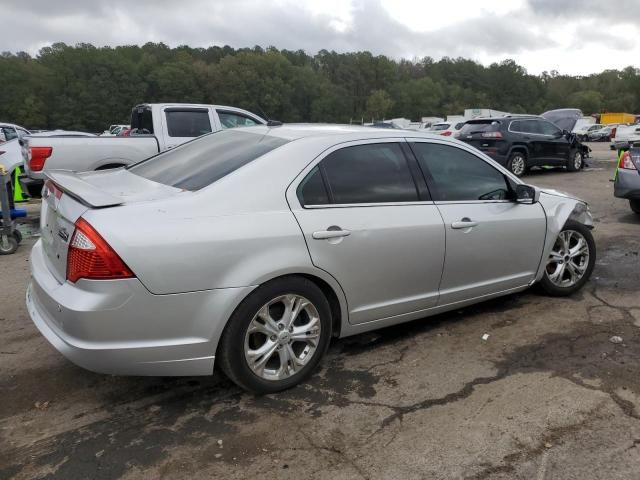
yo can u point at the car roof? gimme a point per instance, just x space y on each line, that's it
5 124
295 131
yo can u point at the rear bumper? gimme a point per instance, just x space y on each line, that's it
627 184
119 327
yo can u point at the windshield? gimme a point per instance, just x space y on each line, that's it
480 126
205 160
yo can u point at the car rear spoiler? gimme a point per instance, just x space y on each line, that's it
74 185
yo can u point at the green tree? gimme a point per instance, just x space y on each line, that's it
379 104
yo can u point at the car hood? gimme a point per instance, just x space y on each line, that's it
558 193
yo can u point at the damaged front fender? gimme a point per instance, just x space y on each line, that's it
560 207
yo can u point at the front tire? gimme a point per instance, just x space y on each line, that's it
575 161
635 205
571 260
517 163
277 336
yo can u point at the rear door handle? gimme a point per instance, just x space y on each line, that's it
327 234
464 223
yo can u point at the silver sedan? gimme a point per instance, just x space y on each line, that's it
255 247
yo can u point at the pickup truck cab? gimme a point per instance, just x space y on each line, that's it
155 127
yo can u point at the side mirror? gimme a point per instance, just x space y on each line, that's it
527 194
565 133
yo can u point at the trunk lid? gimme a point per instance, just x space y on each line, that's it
483 134
67 196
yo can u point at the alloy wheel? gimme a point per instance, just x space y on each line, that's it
517 165
568 260
577 160
282 337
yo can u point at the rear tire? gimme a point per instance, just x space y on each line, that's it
517 163
635 206
263 314
558 280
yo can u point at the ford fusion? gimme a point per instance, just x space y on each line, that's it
252 248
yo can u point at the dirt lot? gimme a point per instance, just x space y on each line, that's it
547 396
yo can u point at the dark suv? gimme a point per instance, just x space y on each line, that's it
521 142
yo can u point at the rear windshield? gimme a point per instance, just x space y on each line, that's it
440 126
471 128
205 160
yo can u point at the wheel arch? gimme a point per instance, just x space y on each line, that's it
327 284
519 148
559 210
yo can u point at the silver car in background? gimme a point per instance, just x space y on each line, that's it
254 247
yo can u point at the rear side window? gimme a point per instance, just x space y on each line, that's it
188 123
9 133
141 121
312 190
458 175
526 126
199 163
373 173
484 126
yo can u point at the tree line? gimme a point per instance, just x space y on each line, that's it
84 87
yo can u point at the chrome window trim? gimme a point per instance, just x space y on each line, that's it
527 133
366 205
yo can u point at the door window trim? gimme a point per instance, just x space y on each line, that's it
510 180
402 142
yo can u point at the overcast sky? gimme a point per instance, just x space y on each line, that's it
575 37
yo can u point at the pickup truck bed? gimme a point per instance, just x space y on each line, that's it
93 153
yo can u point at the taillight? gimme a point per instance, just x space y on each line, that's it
626 161
492 135
446 133
53 188
91 257
37 157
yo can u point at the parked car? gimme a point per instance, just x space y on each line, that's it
158 126
583 134
602 134
447 129
627 180
522 142
625 137
254 247
114 129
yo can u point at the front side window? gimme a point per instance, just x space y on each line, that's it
459 175
188 122
372 173
233 120
547 128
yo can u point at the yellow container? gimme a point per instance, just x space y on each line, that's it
609 118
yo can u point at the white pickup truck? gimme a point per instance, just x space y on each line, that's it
155 127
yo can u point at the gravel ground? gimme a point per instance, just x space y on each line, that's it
547 396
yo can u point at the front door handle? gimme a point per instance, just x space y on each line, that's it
327 234
464 223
